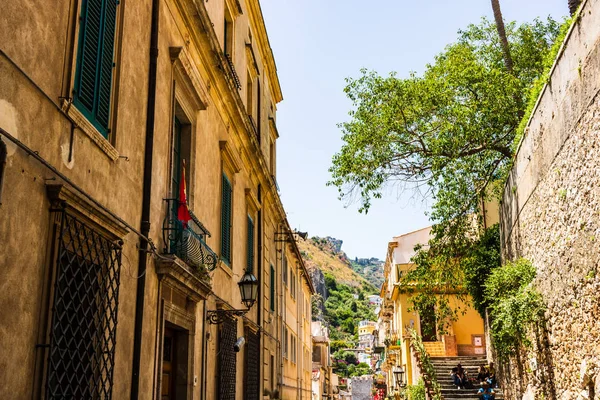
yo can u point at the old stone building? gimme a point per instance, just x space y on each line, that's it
550 216
111 115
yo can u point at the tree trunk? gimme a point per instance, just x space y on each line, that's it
502 34
573 4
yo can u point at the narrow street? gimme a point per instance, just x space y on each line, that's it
320 200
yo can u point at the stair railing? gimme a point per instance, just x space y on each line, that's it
432 387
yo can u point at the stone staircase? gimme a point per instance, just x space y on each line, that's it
443 366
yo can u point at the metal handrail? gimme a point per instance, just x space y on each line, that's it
231 70
187 241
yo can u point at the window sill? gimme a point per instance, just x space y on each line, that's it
86 127
225 268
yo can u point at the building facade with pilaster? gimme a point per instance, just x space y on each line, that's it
138 192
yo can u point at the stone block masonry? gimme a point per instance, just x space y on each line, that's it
550 214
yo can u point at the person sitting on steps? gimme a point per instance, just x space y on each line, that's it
483 375
459 376
486 392
491 375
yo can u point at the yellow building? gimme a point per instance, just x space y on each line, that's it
296 321
465 336
106 109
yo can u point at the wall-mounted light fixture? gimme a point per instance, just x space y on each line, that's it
249 291
399 377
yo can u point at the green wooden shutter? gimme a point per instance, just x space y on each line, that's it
93 78
226 221
250 256
106 63
272 288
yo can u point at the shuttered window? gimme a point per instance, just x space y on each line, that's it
226 221
250 244
284 269
272 288
93 77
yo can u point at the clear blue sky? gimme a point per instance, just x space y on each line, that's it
318 43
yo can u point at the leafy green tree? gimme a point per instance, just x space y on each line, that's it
451 128
449 133
482 260
330 282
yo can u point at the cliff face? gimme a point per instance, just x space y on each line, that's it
318 280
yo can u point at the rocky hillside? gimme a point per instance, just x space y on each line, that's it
370 268
325 255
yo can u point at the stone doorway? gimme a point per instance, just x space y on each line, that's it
174 383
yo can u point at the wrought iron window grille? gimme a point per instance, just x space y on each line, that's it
230 70
227 359
188 242
81 355
252 373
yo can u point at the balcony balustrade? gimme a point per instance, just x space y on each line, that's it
188 241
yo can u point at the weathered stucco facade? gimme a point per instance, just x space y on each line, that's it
215 118
550 215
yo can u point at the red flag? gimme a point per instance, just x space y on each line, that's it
183 213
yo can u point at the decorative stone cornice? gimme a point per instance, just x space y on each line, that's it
273 126
188 78
58 193
231 160
252 60
178 274
252 201
257 23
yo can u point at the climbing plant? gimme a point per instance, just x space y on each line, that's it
427 369
514 306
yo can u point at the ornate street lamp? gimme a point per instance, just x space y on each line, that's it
248 289
249 292
399 377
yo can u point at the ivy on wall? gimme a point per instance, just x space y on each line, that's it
515 306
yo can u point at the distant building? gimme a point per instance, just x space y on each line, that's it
465 336
322 376
375 299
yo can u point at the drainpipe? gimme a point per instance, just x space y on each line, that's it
204 349
259 274
145 220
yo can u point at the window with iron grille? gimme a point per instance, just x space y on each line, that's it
227 359
81 356
94 70
252 373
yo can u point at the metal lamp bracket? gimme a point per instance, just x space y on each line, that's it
219 316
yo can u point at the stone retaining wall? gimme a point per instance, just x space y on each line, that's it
550 214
